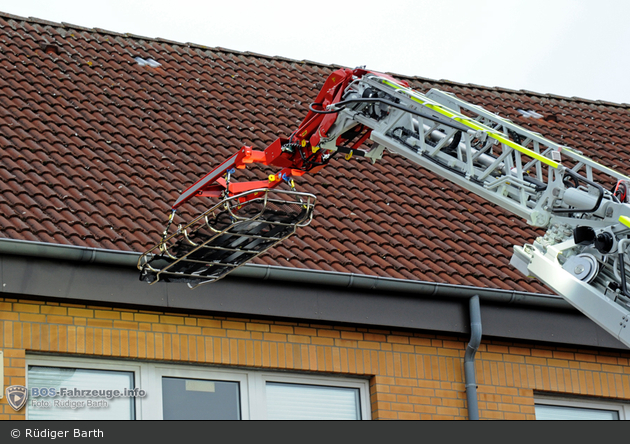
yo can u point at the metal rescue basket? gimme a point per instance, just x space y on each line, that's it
226 236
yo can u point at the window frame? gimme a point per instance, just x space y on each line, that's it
252 382
158 371
90 364
362 386
622 408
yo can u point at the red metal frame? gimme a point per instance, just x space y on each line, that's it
313 128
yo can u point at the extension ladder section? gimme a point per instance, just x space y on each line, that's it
231 233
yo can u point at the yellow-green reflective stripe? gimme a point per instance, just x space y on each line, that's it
599 165
477 126
625 220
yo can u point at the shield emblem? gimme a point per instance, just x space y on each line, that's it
16 396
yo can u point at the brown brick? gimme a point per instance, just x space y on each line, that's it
30 317
497 348
356 336
542 353
407 382
509 408
59 319
426 350
486 356
374 337
98 340
515 416
423 342
369 345
299 339
563 355
238 334
516 359
134 348
115 342
126 325
233 325
106 314
257 327
403 348
400 407
47 309
277 337
401 390
143 317
164 328
126 316
99 323
448 352
329 333
447 411
26 308
281 329
81 312
612 368
409 416
322 341
425 408
188 330
172 320
523 400
305 331
449 402
585 357
214 332
9 316
385 414
266 354
539 361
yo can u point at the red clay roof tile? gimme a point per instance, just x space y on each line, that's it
95 148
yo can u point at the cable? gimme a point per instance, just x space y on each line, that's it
323 112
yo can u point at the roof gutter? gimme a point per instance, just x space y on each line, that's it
348 280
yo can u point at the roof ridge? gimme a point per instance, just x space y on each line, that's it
67 25
310 62
509 90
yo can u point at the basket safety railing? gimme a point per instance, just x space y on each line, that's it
229 234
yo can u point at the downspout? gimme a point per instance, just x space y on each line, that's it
469 358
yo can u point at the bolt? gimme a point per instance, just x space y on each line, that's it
579 269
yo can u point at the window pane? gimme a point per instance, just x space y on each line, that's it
552 412
68 408
298 401
198 399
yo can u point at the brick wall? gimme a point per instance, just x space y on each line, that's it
412 375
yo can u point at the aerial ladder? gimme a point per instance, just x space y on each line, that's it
583 255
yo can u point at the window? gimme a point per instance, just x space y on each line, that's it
175 392
80 375
303 401
567 409
200 399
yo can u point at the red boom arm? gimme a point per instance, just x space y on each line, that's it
296 155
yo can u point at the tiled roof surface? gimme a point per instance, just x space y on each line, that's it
95 147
